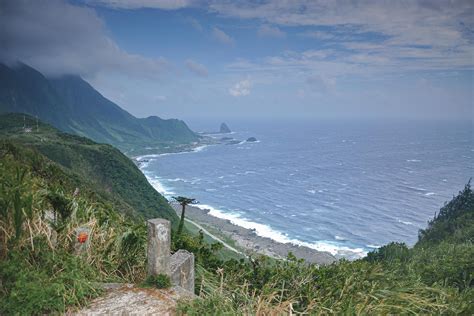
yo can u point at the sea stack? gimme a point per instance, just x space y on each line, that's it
251 139
224 129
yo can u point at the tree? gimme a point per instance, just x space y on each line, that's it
183 201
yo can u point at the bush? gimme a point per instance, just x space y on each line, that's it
454 223
160 281
445 264
40 281
392 252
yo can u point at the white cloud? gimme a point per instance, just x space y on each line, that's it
196 68
444 28
138 4
222 37
59 38
269 31
241 88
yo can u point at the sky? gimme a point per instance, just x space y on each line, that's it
224 60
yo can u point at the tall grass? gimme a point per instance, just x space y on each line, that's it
38 261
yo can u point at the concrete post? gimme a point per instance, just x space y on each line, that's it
159 242
182 269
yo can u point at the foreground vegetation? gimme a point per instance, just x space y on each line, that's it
44 200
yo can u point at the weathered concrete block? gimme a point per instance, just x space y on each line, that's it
158 251
182 269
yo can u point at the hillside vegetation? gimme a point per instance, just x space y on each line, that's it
72 105
50 186
53 183
100 167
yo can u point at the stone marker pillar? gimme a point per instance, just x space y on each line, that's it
159 241
182 269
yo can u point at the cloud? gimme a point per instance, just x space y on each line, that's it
222 37
196 68
241 88
269 31
59 38
138 4
430 34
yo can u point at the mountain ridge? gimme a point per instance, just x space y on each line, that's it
72 105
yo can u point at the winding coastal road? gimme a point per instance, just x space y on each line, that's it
215 237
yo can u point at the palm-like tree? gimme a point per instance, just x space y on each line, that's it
183 201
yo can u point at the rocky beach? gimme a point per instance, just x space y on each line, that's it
252 243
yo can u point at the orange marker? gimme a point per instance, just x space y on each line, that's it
82 237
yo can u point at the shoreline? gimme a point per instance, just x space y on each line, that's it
246 239
252 243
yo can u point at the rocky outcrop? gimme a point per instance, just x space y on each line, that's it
127 299
224 129
182 269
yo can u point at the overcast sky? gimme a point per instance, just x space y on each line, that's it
235 59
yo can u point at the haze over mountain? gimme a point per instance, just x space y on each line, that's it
73 105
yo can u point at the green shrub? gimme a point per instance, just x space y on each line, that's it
445 264
160 281
453 223
392 252
40 281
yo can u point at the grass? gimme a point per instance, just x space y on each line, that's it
42 204
160 281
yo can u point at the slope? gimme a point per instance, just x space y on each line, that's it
110 173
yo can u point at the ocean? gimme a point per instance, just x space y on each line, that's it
346 187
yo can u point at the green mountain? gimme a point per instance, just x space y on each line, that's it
98 168
72 105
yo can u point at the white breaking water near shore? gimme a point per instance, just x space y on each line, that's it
266 231
259 229
343 197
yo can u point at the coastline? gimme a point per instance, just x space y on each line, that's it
248 242
252 243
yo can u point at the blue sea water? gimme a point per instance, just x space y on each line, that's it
345 187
